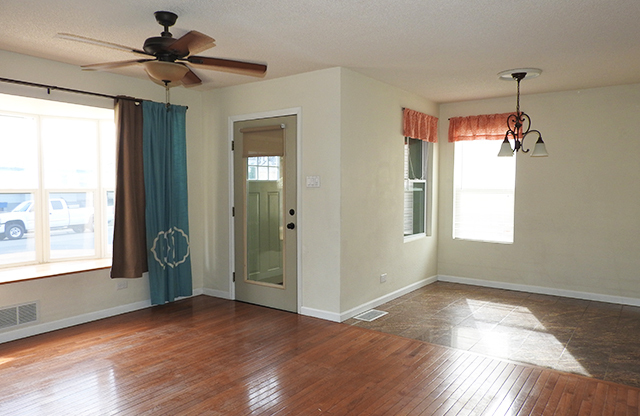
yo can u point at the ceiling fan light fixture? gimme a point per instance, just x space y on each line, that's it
166 71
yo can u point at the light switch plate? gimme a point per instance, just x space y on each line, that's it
313 181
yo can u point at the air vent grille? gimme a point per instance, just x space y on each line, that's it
371 315
18 315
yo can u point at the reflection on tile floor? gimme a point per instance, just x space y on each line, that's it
596 339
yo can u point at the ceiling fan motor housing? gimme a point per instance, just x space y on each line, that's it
158 46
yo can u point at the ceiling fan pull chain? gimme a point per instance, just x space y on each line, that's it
167 94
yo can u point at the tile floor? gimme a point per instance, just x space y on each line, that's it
596 339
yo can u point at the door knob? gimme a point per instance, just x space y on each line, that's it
291 226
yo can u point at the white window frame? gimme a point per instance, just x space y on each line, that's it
27 107
483 213
411 178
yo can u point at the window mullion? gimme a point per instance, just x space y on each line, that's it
98 197
41 232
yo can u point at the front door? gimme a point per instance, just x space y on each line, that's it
265 212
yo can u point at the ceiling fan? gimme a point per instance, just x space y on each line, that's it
166 58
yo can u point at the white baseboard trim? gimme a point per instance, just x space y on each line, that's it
72 321
217 293
622 300
386 298
319 313
340 317
37 329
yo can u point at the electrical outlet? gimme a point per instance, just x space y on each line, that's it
122 284
383 277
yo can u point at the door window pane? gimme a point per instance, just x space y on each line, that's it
265 168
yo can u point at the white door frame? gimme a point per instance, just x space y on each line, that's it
296 111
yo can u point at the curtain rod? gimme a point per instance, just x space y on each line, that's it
53 87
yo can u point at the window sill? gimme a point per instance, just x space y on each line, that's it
43 271
414 237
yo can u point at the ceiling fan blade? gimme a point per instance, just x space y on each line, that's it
117 64
191 79
228 65
192 42
83 39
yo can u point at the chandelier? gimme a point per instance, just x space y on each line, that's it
519 124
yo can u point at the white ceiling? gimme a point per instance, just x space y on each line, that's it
444 50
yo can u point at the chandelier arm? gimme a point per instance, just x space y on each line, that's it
525 135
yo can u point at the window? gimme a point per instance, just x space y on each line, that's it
484 189
415 187
263 168
57 181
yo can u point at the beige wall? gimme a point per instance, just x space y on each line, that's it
372 165
577 214
351 227
317 95
72 298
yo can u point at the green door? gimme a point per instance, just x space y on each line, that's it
265 212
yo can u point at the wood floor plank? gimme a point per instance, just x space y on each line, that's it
208 356
503 401
586 404
474 384
535 394
525 391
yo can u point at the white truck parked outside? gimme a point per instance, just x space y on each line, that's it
14 224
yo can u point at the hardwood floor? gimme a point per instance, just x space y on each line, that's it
207 356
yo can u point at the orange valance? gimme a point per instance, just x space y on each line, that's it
419 125
484 127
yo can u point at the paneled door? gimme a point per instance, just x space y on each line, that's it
265 212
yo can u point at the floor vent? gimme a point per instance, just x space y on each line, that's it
371 315
18 315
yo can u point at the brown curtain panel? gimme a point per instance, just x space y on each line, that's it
129 233
483 127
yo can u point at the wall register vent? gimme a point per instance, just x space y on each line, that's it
18 315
